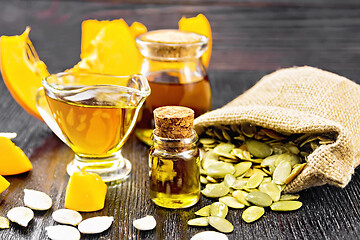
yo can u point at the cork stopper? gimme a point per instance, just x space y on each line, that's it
174 122
171 44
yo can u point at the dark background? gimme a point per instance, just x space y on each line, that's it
250 39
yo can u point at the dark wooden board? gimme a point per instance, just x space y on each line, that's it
251 39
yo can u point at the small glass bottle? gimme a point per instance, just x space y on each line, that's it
174 159
176 75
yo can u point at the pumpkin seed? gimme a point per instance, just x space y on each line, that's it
20 215
252 214
226 135
269 161
292 148
4 223
239 184
286 205
258 149
296 171
211 179
271 189
207 141
220 169
229 180
259 199
241 168
37 200
67 216
231 202
215 190
218 209
203 180
62 232
209 235
99 224
201 221
241 197
9 135
224 148
255 180
248 129
289 197
205 211
292 158
209 158
282 171
221 224
242 154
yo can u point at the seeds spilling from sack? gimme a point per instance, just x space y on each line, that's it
250 166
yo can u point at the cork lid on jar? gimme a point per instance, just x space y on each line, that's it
174 122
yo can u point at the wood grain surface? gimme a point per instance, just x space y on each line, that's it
251 39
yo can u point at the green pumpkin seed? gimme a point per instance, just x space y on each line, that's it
209 158
215 190
241 197
239 184
296 171
259 199
292 148
229 180
241 168
224 148
248 129
226 135
258 149
207 141
218 209
253 213
249 190
204 212
286 205
289 197
271 189
221 224
255 180
242 154
211 179
220 169
231 202
203 180
269 161
292 158
282 171
201 221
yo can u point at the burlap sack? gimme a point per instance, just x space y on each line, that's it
303 100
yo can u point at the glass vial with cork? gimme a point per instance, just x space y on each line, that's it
174 159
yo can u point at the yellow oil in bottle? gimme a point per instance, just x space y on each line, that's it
174 180
93 127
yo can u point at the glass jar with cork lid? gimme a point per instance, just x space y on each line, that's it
175 72
174 162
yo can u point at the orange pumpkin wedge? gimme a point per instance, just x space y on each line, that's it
112 51
85 192
22 70
137 28
200 25
13 160
4 184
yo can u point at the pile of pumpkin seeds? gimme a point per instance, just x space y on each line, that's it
248 167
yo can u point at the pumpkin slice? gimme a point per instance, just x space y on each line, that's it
4 184
85 192
137 28
200 25
22 70
13 160
112 51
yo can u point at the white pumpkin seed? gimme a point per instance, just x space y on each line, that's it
67 216
221 224
231 202
9 135
209 235
62 232
145 223
253 213
20 215
37 200
218 209
4 223
95 224
201 221
215 190
286 205
205 211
